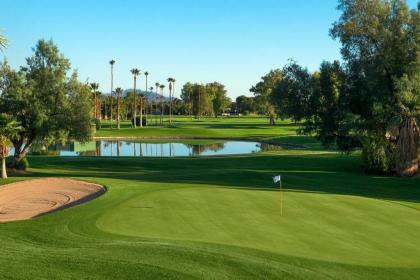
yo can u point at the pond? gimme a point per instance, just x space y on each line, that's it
131 148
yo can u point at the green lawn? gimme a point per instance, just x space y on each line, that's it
219 217
224 128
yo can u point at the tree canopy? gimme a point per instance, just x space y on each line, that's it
47 102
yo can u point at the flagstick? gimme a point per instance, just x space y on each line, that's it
281 200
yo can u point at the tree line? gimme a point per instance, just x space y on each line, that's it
204 99
370 101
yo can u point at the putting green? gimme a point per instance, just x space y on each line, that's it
334 228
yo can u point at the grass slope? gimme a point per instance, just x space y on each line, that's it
219 218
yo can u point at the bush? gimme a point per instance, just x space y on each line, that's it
21 165
138 121
377 156
97 124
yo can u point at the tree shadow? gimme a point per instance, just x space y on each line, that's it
320 173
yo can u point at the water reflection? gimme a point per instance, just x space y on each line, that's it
152 149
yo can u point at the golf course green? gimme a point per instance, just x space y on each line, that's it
221 217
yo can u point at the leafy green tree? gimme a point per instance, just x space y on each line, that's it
245 104
9 129
217 94
187 97
324 114
292 93
263 94
380 43
48 104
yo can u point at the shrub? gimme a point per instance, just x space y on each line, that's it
138 121
97 124
20 165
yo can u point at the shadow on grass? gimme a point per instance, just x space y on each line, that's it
333 174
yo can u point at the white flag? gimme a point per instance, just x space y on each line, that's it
276 179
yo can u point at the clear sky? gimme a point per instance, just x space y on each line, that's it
234 42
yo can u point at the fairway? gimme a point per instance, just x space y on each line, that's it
219 218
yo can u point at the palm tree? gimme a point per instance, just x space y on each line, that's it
408 135
172 99
191 102
161 103
3 41
157 89
94 87
112 62
118 91
171 89
9 128
135 73
199 102
141 109
151 106
99 106
145 109
170 94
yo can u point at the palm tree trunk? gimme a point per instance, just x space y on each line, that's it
170 105
3 168
118 111
95 110
408 147
141 111
134 104
161 110
199 103
173 96
145 96
112 89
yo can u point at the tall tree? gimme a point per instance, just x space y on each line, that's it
263 92
380 44
119 91
94 87
324 114
408 137
170 86
48 104
218 96
135 72
9 129
161 103
112 62
157 101
292 92
151 106
245 104
146 74
187 97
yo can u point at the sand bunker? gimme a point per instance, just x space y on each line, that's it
27 199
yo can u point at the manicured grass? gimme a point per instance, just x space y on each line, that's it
219 218
226 128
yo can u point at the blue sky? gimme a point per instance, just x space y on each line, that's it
234 42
